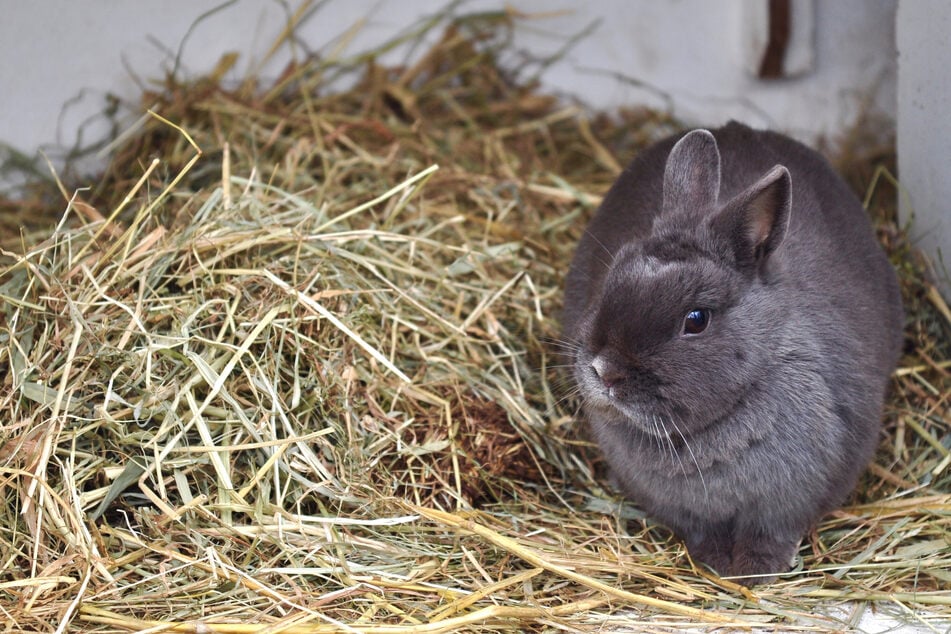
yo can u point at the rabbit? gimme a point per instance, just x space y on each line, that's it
733 325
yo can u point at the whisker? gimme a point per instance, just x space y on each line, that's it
566 399
669 448
693 457
564 344
673 450
560 366
597 241
658 429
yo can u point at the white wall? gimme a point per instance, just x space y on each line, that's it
61 59
924 127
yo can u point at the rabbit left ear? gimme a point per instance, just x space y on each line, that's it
754 223
692 173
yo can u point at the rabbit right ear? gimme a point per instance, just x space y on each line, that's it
754 222
692 174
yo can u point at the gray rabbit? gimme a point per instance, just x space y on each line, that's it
733 324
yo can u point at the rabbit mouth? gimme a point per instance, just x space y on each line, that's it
646 415
629 400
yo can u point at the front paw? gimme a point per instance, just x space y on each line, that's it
716 556
761 560
758 559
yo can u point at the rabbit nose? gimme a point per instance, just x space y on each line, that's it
609 373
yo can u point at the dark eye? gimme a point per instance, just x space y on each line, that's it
696 321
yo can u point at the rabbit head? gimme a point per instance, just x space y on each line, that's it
682 324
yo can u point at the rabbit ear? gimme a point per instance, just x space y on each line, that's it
754 222
692 174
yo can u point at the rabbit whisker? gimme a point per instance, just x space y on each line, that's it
611 256
693 457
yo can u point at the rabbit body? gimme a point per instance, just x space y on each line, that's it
734 324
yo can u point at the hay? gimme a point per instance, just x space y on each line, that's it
288 368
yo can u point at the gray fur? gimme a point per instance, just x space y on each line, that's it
741 437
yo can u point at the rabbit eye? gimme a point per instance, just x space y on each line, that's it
696 321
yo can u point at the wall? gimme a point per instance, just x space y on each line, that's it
924 127
63 61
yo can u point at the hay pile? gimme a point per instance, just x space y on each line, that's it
288 368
